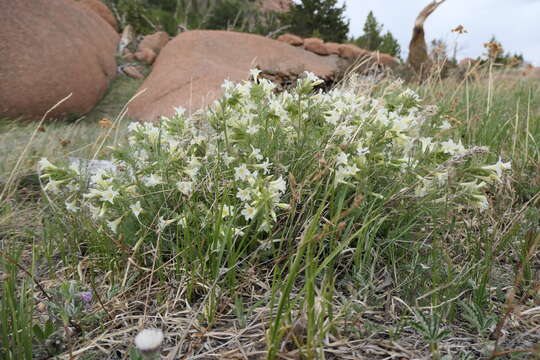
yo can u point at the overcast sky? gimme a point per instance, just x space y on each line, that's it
515 23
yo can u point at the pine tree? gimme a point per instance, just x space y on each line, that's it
390 45
371 39
322 18
374 41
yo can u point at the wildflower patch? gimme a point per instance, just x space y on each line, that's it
270 161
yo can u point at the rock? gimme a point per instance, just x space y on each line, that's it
276 5
128 55
351 51
291 39
146 55
154 42
315 45
133 72
102 10
128 36
332 48
385 60
193 78
49 49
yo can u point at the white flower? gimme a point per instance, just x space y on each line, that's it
238 232
241 172
227 85
342 158
426 143
152 132
472 186
332 118
253 129
113 225
100 178
254 73
362 151
450 147
164 223
95 212
133 126
227 211
244 194
265 166
480 202
53 186
227 159
249 212
193 167
410 93
344 172
191 172
45 164
498 168
265 227
427 186
75 167
312 78
442 177
152 180
277 186
256 153
149 340
182 221
446 125
252 178
179 111
136 209
185 187
70 206
108 194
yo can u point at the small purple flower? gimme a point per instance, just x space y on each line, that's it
86 297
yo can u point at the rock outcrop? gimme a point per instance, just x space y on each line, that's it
291 39
191 68
102 10
49 49
332 48
146 55
315 45
276 5
154 42
352 52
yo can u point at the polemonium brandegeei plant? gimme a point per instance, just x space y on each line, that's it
267 158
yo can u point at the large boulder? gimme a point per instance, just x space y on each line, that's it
154 42
49 49
352 52
315 45
291 39
276 5
332 48
146 55
102 11
190 70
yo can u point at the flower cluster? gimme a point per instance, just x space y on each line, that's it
234 173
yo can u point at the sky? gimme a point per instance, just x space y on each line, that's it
515 23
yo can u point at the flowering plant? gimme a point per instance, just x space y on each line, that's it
264 160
